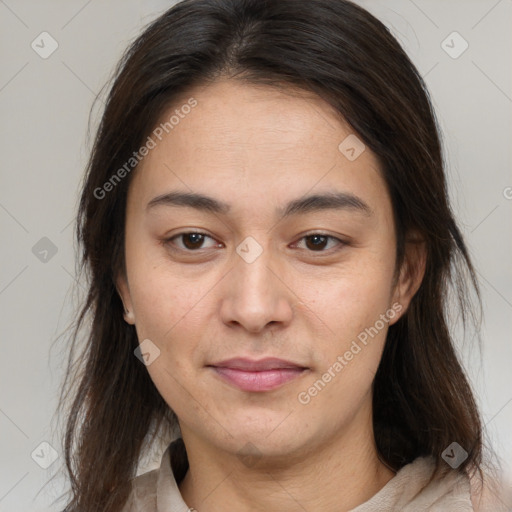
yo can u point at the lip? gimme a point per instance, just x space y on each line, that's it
257 375
253 365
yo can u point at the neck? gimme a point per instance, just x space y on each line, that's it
334 476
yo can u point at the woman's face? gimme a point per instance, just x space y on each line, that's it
256 283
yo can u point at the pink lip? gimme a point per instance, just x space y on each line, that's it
262 375
252 365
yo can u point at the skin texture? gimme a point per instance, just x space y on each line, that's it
257 148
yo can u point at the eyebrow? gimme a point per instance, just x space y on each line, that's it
303 205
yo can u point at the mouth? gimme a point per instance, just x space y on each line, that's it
257 376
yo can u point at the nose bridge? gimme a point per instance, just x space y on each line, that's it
252 264
252 268
255 295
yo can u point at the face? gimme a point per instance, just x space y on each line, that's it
258 271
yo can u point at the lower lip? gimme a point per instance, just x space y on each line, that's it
258 381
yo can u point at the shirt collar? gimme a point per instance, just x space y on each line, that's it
168 496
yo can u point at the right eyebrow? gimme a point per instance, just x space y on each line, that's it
191 200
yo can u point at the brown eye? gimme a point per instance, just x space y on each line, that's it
317 242
190 241
193 240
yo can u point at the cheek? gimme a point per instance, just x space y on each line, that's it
351 305
354 299
165 305
161 295
173 308
168 311
348 361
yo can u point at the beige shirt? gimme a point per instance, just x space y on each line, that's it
157 491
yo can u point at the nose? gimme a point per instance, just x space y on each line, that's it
255 294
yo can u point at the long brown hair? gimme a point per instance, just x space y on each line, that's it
422 400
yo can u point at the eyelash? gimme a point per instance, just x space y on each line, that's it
169 241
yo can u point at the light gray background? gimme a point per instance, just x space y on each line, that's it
44 105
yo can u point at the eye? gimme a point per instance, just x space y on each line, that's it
192 241
316 242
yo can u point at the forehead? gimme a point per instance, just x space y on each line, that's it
245 120
254 142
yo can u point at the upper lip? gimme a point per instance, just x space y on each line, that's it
269 363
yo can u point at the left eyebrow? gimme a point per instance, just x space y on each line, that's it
327 201
303 205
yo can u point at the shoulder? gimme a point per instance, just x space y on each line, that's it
158 485
416 488
429 489
143 493
490 494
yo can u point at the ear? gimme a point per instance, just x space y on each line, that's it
411 272
124 293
